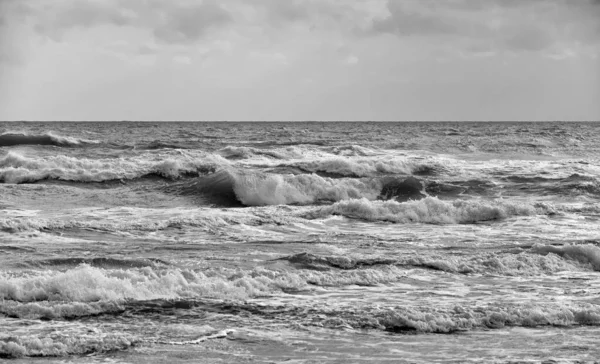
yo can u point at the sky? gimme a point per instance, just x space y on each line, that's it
299 60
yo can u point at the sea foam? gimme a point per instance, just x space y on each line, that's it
253 189
62 345
373 166
584 253
17 168
430 210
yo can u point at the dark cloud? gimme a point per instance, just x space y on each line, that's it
169 21
406 19
513 25
54 21
190 23
507 25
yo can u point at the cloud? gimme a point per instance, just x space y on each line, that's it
457 27
190 22
502 25
12 44
169 22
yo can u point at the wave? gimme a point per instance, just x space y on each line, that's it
527 263
480 187
17 168
146 220
87 284
235 152
93 340
270 189
14 139
157 144
431 210
352 150
365 167
575 184
583 253
423 319
140 220
441 320
69 343
89 291
230 187
94 262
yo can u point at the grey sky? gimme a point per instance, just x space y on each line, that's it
300 59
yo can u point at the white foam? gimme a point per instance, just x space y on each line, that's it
125 219
584 253
63 345
89 284
274 189
17 168
430 210
462 318
364 167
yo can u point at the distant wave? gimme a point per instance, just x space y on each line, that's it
157 144
235 152
17 168
352 150
94 262
364 167
13 139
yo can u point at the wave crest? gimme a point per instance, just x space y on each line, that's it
365 167
430 210
584 253
14 139
17 168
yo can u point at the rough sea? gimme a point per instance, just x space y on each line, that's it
364 242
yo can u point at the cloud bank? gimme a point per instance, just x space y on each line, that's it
333 48
516 25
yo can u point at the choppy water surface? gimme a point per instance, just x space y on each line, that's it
307 242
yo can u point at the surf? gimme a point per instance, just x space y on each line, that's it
15 139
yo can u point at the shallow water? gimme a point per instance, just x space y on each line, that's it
308 242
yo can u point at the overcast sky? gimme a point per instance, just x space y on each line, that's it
300 59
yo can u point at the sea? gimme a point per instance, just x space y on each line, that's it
306 242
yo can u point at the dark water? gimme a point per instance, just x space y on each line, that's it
308 242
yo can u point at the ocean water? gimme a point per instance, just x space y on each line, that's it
299 242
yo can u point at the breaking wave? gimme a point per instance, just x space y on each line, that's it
365 167
423 319
17 168
86 284
14 139
583 253
526 263
230 187
69 343
89 291
431 210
